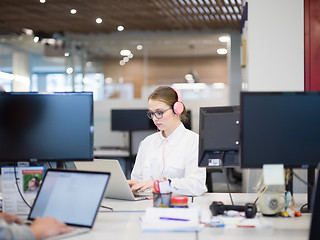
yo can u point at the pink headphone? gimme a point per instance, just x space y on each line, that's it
178 105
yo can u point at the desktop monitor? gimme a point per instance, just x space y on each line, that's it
280 128
130 120
219 136
136 120
46 127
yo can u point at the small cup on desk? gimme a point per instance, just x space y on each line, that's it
270 203
162 200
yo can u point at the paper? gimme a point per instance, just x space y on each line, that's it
28 180
240 222
273 174
171 219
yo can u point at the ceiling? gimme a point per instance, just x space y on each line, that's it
167 28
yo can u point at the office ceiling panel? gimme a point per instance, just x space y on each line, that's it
135 15
171 28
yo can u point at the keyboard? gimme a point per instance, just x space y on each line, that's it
145 193
76 231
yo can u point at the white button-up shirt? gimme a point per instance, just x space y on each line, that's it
174 157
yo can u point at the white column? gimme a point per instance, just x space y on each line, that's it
21 72
234 68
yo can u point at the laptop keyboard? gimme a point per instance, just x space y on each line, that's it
76 231
145 193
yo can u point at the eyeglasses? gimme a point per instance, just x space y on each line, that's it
158 114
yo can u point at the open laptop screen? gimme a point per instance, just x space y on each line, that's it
72 197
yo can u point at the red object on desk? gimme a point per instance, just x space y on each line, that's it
246 226
179 201
156 187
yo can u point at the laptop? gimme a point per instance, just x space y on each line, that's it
314 233
118 187
72 197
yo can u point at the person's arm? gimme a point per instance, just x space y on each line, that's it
137 173
15 231
48 227
12 227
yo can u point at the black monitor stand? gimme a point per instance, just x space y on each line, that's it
216 161
311 180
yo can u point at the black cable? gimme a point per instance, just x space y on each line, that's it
15 175
106 207
306 204
226 177
227 181
297 176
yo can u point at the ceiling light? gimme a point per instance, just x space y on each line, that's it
139 47
125 52
120 28
98 20
69 70
126 59
224 39
73 11
189 78
122 62
66 54
130 55
42 1
222 51
36 39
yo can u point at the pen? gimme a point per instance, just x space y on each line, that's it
246 226
174 219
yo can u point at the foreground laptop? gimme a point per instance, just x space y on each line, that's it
118 186
72 197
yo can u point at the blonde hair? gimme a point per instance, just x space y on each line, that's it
169 96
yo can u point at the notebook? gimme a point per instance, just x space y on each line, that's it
315 209
118 186
72 197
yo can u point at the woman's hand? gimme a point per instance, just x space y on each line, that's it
142 185
48 227
132 182
11 218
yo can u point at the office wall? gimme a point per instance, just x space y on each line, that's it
164 71
275 45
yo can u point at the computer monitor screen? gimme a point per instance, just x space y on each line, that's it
219 136
136 119
48 127
280 128
130 119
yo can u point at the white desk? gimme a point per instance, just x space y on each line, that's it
125 225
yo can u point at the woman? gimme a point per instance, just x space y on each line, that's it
33 185
172 152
